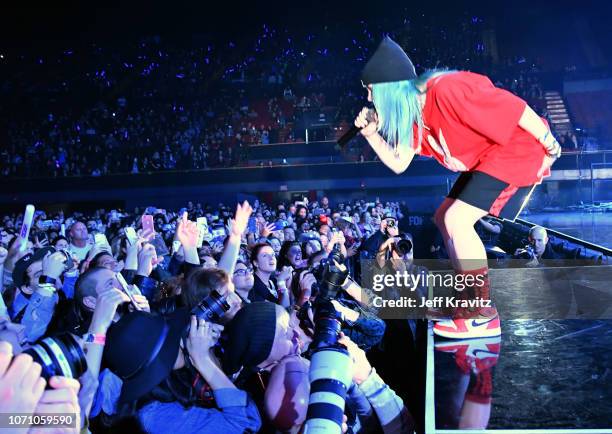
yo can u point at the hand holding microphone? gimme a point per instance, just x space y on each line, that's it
366 123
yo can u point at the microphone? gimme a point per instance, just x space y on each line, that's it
353 131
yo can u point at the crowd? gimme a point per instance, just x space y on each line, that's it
204 318
156 105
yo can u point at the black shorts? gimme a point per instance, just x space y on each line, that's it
490 194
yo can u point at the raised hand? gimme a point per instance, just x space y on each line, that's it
106 307
361 365
285 273
21 385
202 337
187 232
241 219
61 399
267 230
146 258
53 264
365 122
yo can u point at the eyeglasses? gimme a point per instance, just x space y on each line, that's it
243 272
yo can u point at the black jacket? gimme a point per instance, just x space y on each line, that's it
261 291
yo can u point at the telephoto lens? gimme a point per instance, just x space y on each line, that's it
403 246
330 374
59 355
212 308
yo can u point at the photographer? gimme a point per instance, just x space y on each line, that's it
34 296
397 255
259 337
153 389
538 248
76 315
371 405
23 390
388 228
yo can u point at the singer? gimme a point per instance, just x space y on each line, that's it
502 148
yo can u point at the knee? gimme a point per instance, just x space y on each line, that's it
449 220
439 217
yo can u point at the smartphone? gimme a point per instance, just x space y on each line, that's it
130 234
202 224
46 224
218 234
279 225
160 246
100 239
126 288
63 230
252 226
147 223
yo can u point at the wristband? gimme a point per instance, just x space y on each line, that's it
555 151
42 280
94 338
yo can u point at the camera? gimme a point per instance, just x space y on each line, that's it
403 246
330 364
59 355
69 264
212 308
526 253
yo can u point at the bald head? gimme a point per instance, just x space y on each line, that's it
539 238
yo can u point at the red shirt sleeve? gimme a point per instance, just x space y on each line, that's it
474 101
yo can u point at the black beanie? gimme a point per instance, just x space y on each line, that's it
250 336
388 63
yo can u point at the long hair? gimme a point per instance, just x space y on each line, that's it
398 108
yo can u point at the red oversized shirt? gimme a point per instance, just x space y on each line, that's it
480 125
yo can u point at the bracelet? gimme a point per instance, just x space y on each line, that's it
554 151
42 280
542 139
94 338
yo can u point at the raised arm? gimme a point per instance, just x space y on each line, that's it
399 160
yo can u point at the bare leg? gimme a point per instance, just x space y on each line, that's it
439 221
456 220
474 415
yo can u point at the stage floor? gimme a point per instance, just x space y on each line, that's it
541 375
551 369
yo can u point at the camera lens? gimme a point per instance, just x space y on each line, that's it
404 246
330 373
68 262
212 308
59 355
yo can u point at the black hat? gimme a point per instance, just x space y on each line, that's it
21 266
250 336
388 63
142 348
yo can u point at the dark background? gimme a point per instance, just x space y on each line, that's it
70 21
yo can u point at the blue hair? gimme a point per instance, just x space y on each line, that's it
398 108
